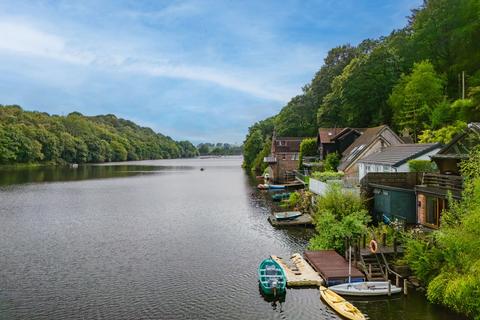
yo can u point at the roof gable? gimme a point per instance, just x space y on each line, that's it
368 137
396 155
326 135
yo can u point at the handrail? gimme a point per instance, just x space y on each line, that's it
387 267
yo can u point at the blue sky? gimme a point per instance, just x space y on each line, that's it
198 70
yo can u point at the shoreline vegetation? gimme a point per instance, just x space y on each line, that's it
33 138
424 82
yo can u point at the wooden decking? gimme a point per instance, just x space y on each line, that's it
301 273
332 267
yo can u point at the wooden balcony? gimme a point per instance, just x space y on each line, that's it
442 184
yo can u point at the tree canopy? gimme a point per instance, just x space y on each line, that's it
409 79
31 137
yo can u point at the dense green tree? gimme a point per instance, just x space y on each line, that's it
415 97
38 137
252 148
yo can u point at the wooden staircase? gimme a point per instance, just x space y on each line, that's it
372 267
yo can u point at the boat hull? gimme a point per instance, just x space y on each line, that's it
271 277
340 305
288 215
363 289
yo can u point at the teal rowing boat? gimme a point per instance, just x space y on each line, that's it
272 277
280 196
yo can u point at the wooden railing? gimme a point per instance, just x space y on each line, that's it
301 175
443 181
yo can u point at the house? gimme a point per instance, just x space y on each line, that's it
330 140
371 141
395 158
436 188
284 158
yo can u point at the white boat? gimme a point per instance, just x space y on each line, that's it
368 288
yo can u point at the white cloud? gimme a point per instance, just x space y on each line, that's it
27 40
20 38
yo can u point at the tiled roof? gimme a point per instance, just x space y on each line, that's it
288 144
398 154
327 134
355 149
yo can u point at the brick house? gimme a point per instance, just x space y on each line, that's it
284 158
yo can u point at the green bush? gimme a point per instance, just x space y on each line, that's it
327 175
448 260
421 166
308 148
332 160
339 215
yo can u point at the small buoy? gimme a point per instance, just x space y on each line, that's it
201 169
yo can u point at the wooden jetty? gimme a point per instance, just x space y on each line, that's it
301 273
332 267
304 220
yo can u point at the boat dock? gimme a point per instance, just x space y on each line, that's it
304 220
332 267
301 273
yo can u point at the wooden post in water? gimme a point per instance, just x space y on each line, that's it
369 270
389 287
364 241
405 287
397 281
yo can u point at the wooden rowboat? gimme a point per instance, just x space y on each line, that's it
287 215
368 288
340 305
271 277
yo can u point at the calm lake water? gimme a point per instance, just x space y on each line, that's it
151 240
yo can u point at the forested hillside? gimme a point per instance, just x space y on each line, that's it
34 137
410 80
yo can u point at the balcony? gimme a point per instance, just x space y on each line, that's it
442 184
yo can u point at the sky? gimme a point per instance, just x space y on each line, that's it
201 70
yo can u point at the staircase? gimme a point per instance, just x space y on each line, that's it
372 267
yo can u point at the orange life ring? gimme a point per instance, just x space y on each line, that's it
373 246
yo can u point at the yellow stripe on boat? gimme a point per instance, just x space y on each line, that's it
340 305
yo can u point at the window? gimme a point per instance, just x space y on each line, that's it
386 168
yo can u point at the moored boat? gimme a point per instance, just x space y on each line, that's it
287 215
368 288
340 305
280 196
271 277
266 186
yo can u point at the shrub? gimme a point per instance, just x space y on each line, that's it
421 166
308 148
338 216
327 175
332 160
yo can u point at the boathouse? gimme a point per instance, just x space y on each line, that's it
284 158
433 192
